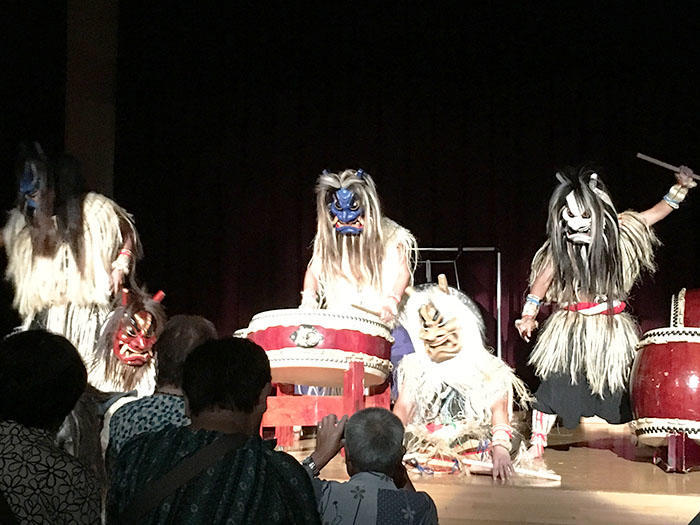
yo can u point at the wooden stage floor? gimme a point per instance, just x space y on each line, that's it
605 478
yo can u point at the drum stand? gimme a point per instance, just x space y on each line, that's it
681 454
286 409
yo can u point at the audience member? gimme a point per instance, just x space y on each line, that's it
379 490
182 333
217 469
41 378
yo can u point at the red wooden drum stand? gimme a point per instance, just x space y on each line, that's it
286 409
321 348
665 387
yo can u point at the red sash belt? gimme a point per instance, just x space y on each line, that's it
588 308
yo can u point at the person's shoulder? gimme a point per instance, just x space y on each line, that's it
146 440
429 514
628 217
76 485
132 406
15 220
428 508
76 475
282 458
96 203
288 466
152 403
394 233
390 226
92 198
420 504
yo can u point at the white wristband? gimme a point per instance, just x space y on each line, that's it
122 263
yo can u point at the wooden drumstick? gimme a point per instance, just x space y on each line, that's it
366 310
664 164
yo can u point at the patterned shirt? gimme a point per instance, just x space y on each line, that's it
42 483
372 498
253 484
146 414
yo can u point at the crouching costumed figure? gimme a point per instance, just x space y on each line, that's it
455 396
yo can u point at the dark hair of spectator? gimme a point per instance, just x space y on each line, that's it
41 378
181 335
374 440
226 373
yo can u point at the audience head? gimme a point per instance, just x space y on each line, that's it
229 373
181 335
373 441
41 378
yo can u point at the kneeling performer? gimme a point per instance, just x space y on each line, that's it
455 396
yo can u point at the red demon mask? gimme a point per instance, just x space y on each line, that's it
136 334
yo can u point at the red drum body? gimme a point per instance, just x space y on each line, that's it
315 347
665 380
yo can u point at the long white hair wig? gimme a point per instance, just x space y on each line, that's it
585 270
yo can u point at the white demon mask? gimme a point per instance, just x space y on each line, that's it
578 220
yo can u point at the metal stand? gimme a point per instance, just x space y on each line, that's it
428 262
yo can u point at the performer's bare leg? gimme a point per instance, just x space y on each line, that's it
542 423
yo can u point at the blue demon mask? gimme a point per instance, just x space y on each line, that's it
346 212
29 183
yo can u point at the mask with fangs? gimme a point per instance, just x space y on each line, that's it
137 330
347 215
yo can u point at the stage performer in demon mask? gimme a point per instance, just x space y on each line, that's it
124 356
586 268
360 257
455 396
122 369
68 251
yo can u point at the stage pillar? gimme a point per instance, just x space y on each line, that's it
91 62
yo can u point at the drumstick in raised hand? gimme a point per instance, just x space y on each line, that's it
663 164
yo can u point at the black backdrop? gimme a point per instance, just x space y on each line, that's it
226 116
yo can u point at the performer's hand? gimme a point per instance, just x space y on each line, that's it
502 465
329 439
526 326
117 278
388 310
685 177
386 315
308 300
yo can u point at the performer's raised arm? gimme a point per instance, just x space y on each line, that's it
125 260
672 200
404 406
389 308
309 294
527 323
